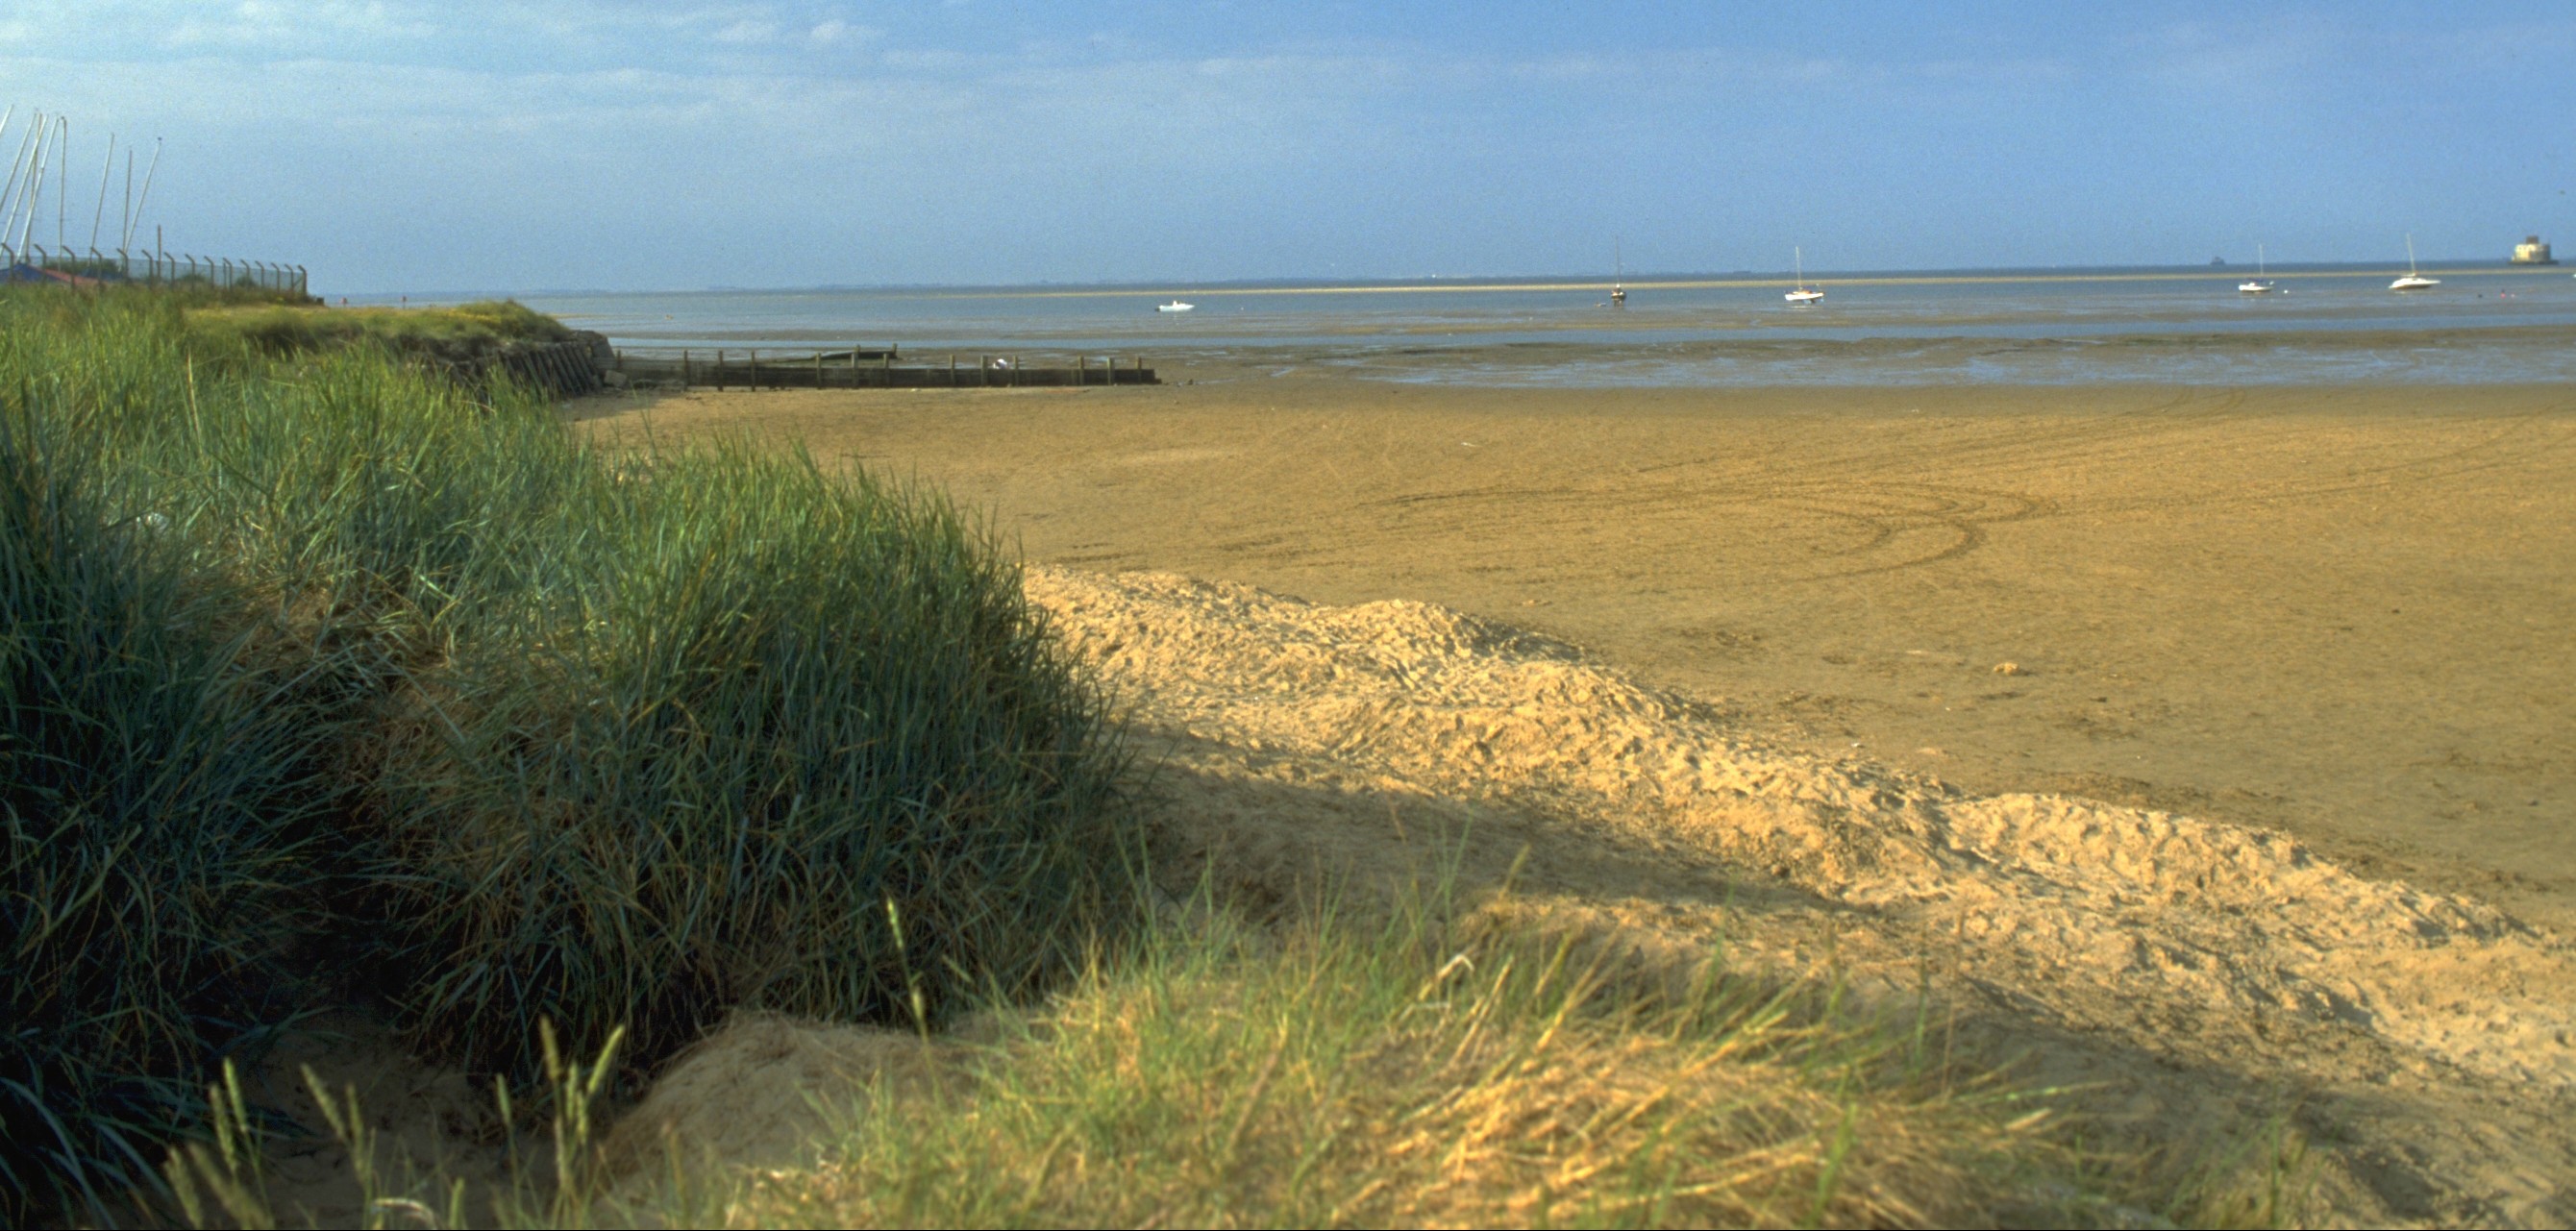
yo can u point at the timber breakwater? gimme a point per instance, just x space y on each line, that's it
586 363
857 368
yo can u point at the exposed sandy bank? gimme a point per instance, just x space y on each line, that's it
2196 971
2345 612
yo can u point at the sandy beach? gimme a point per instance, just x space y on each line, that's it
2347 613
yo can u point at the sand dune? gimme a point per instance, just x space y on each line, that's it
2139 913
2123 946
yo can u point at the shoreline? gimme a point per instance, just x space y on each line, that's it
1727 351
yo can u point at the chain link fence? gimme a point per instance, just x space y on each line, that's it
38 263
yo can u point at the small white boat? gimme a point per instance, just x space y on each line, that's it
1804 294
2413 281
1174 306
2259 285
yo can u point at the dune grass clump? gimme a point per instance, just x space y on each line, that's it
735 732
1412 1068
330 679
1358 1074
157 790
451 333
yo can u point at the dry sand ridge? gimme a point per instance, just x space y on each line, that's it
2183 970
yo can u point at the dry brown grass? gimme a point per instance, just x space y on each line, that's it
1347 1078
1344 1074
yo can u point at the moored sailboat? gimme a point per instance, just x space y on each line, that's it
2413 281
1804 294
2258 285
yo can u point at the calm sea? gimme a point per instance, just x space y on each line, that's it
2484 324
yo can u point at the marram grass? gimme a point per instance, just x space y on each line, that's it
156 798
451 332
1395 1071
740 733
327 680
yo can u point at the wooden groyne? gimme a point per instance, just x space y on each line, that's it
863 369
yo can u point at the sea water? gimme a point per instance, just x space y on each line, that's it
2484 324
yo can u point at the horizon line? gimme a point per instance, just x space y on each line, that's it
1459 283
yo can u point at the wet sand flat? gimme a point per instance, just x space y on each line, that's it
2345 612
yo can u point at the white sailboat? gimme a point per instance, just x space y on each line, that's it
1174 306
1618 276
2259 285
2413 281
1804 294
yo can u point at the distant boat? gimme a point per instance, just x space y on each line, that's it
1804 294
1174 306
1618 276
2259 285
2413 281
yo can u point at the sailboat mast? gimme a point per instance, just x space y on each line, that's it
145 201
106 171
35 186
17 167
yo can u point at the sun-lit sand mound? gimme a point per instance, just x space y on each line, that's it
2181 966
2116 918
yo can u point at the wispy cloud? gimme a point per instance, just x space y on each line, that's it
1095 129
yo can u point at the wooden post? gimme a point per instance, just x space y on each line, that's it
952 369
983 371
719 369
885 369
755 371
684 371
818 369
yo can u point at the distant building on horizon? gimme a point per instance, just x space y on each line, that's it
2532 252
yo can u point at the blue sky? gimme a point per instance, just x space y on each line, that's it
399 144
